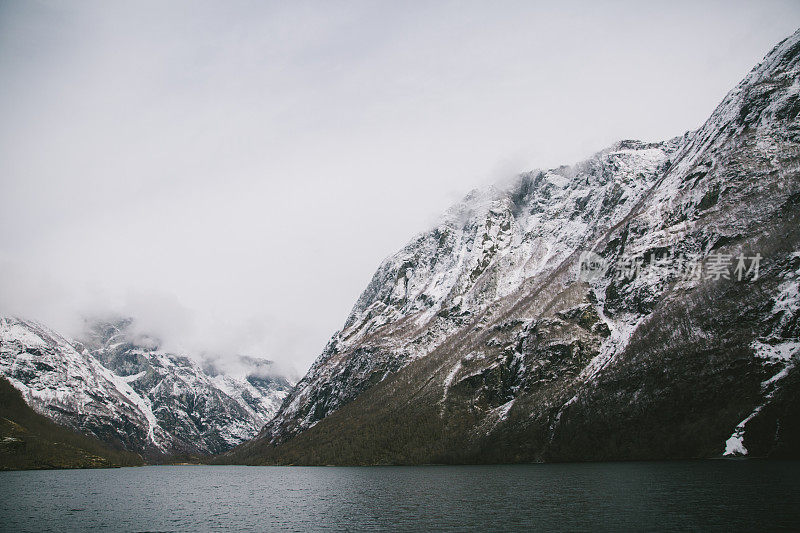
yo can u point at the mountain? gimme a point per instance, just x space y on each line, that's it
197 408
126 392
29 440
642 304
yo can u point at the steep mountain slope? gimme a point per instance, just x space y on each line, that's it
198 408
29 440
132 395
73 388
492 338
484 249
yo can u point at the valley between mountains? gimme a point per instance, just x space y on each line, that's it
485 339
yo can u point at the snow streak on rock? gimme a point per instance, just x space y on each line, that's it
133 395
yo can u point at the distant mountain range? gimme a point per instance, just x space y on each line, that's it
642 304
129 394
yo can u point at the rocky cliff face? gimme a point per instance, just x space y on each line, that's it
130 394
29 440
484 249
493 338
71 387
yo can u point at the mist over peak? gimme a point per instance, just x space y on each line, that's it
234 195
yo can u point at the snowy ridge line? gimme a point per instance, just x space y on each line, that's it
150 401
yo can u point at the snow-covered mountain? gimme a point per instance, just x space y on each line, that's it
129 393
492 338
484 249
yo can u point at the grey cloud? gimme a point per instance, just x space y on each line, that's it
231 173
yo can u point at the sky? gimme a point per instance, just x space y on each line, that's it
231 174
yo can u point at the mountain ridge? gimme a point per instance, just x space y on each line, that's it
29 440
131 395
499 359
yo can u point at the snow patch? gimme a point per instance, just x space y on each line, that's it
447 382
133 377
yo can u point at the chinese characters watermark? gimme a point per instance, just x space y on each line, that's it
714 266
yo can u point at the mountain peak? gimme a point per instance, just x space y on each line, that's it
481 334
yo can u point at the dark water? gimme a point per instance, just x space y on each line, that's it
703 495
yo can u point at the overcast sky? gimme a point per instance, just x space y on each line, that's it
232 173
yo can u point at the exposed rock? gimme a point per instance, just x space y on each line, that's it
481 341
128 393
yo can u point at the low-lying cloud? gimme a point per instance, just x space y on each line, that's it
230 174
